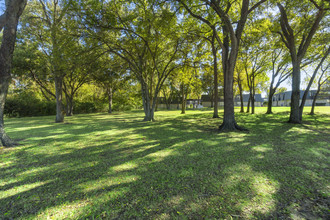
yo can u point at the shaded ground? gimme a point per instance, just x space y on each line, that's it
116 166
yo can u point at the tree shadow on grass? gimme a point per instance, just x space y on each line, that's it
173 168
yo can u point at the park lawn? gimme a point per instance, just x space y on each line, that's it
98 166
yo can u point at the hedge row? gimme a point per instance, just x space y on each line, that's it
35 107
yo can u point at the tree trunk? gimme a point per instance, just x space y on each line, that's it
183 100
215 67
69 106
252 105
68 99
228 65
295 97
242 102
148 109
13 11
314 100
252 100
59 97
240 94
4 84
229 122
270 101
110 95
248 105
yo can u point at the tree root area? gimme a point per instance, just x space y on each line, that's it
5 141
227 127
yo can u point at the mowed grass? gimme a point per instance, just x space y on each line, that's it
101 166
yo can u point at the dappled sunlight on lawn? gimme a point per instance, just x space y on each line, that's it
160 155
115 166
124 167
18 129
257 190
12 192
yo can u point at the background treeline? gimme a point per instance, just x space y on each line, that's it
93 56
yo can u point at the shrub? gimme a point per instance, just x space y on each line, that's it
18 107
84 107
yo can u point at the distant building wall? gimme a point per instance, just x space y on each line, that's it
284 99
256 104
208 104
172 106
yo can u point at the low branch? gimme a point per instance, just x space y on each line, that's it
255 6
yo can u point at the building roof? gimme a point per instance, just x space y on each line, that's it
287 95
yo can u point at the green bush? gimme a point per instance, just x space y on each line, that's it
25 103
18 107
84 107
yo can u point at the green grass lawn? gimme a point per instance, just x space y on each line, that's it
101 166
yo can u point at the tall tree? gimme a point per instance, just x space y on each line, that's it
30 63
231 17
8 23
241 82
215 75
46 25
324 78
254 66
280 72
297 38
144 34
319 65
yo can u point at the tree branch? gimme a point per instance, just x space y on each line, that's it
256 5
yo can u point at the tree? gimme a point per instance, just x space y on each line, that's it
30 64
254 54
226 16
241 82
303 100
255 64
215 75
145 35
323 79
208 81
169 91
280 72
80 66
111 76
303 37
46 24
8 23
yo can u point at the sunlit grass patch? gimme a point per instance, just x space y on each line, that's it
179 167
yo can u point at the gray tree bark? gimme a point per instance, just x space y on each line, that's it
239 83
215 69
9 21
183 100
270 101
59 98
314 101
110 95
